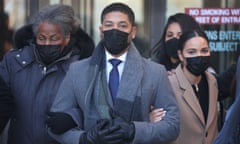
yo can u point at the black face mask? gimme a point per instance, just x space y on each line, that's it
115 41
49 53
171 47
198 65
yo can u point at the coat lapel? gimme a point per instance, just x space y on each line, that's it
189 95
129 83
213 93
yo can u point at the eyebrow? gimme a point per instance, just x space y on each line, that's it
197 48
191 49
109 21
50 35
169 32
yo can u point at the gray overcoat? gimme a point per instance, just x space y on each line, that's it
143 83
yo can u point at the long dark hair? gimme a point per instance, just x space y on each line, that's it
187 23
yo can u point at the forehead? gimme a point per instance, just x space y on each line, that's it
196 42
116 16
174 27
48 28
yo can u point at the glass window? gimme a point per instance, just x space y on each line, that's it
16 11
224 51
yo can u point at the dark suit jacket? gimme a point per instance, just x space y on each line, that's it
142 81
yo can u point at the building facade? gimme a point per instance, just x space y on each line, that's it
151 16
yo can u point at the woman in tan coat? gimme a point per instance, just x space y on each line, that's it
196 90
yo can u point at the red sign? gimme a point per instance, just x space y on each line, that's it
215 15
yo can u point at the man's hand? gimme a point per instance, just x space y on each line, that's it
127 128
59 122
102 133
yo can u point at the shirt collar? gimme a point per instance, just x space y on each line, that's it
109 56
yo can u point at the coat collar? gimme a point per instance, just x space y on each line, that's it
132 74
24 57
130 80
191 99
213 97
130 84
27 56
189 95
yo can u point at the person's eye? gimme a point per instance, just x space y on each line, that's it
54 39
191 52
205 51
169 35
123 26
179 34
41 38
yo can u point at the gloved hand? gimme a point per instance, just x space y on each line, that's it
59 122
127 128
102 133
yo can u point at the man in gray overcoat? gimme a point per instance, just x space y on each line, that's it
109 95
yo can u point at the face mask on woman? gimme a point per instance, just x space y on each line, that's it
171 47
197 65
49 53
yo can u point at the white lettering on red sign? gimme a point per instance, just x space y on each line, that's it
215 15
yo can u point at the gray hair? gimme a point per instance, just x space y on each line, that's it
61 15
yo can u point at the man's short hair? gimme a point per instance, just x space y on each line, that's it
121 8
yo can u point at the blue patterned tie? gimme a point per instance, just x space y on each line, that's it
114 78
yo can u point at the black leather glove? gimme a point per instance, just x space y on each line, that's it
59 122
127 128
102 133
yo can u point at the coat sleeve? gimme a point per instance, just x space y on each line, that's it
6 98
230 126
167 129
6 104
66 101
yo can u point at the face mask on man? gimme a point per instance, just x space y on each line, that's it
198 65
49 53
171 47
115 41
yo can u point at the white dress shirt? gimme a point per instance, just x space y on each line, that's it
109 65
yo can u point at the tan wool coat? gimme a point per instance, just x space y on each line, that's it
193 128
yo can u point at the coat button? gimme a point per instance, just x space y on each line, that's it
24 62
206 134
18 55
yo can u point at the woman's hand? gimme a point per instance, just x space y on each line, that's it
171 72
156 114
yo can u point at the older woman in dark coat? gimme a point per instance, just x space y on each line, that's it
34 71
